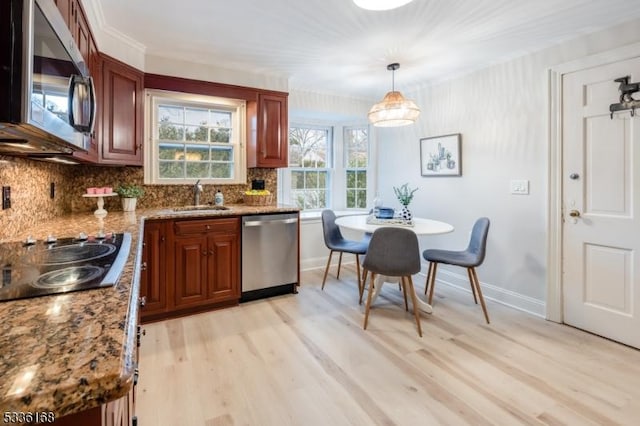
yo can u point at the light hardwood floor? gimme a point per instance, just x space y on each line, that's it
305 360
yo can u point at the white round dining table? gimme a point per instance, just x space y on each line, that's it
420 227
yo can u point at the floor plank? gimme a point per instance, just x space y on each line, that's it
305 359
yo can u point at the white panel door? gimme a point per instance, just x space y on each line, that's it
601 189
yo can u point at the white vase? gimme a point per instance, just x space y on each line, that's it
129 204
405 213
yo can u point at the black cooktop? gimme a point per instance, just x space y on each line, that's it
68 264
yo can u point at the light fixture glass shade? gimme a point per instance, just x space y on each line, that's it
393 111
380 4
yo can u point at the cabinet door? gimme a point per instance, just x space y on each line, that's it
64 6
122 113
81 32
272 132
191 264
152 275
224 267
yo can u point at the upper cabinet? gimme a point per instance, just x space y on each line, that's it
121 114
268 143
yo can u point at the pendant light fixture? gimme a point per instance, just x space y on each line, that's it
394 110
380 4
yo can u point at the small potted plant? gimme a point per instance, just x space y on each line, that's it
405 195
129 194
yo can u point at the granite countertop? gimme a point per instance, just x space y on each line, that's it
71 352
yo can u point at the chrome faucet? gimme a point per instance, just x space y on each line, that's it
197 190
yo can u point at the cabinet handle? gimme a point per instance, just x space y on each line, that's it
139 147
143 301
143 266
162 239
136 374
211 252
204 252
208 227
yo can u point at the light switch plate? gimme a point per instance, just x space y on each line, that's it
519 187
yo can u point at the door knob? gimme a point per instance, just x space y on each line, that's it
574 213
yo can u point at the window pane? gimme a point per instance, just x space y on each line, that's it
220 119
351 198
311 180
308 147
222 170
221 154
170 114
171 151
171 169
220 135
196 133
361 199
170 132
322 179
197 153
361 179
196 116
197 170
297 180
351 179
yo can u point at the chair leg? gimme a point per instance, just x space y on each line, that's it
433 281
473 287
364 281
339 263
428 281
368 305
477 284
326 270
358 271
404 291
416 311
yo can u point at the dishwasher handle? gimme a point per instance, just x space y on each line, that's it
270 222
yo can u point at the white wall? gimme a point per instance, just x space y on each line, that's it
501 113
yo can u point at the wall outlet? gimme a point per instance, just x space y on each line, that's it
6 197
519 187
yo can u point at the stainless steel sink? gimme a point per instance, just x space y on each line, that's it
199 208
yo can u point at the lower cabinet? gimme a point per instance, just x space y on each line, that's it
119 412
189 265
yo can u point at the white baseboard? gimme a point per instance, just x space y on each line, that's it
490 292
321 262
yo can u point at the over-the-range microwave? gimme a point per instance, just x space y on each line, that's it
47 98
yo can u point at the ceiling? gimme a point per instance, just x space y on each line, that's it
332 46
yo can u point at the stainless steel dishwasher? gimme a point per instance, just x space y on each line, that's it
269 255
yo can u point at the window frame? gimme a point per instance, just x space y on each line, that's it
356 169
285 174
337 173
238 109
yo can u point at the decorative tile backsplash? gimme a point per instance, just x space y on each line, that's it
30 183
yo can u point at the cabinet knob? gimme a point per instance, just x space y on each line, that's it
143 266
162 239
211 252
204 252
208 227
143 301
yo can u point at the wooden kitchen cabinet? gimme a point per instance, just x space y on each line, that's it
153 287
189 265
122 113
206 262
268 145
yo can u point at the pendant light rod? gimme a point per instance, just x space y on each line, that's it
393 67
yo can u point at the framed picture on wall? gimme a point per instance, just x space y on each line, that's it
441 156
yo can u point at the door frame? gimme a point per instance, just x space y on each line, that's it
554 309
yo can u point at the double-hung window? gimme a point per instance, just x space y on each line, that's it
356 162
307 181
193 138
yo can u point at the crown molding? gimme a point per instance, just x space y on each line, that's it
96 16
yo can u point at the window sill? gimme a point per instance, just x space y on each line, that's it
315 215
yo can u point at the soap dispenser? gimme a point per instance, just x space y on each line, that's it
218 199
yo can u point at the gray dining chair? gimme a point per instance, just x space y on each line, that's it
393 252
334 241
470 258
